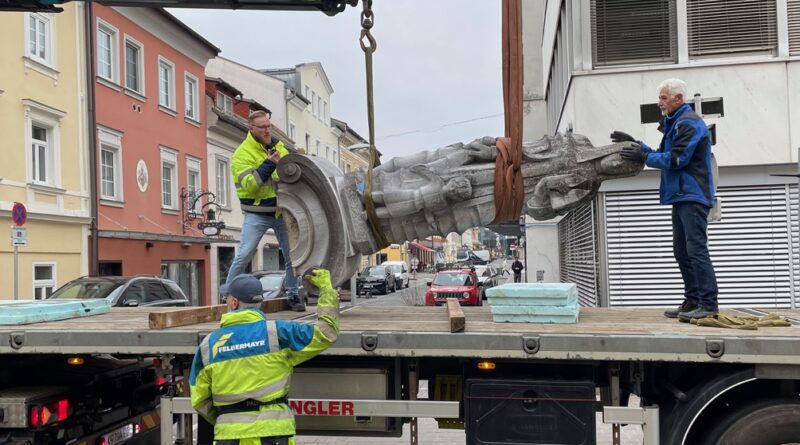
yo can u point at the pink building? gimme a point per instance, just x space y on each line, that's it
151 146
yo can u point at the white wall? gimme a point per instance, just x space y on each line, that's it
755 129
266 90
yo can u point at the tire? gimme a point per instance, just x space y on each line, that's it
765 422
408 283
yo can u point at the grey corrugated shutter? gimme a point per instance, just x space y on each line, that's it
731 26
633 31
754 248
793 9
578 253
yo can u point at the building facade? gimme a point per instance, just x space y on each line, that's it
596 69
45 160
308 92
151 147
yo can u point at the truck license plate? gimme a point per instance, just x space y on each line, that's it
119 435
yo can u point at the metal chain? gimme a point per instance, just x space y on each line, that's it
368 45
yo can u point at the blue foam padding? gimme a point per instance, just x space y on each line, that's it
533 294
26 312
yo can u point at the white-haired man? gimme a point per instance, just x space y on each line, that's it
687 183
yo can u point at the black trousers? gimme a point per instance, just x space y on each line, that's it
517 277
264 441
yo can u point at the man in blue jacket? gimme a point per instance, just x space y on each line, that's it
684 158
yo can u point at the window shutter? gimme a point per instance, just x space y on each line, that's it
793 8
633 32
754 248
731 26
578 253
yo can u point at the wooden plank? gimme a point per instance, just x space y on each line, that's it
184 317
274 305
457 320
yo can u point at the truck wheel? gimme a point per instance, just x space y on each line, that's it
765 422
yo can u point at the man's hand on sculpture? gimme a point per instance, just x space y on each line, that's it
482 149
633 153
320 278
620 136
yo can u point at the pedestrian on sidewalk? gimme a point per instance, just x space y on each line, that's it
517 267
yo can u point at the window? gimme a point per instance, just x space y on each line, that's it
222 182
191 99
793 13
44 280
308 143
324 111
41 155
719 27
292 131
319 107
308 97
633 32
166 84
327 152
134 63
169 179
40 35
314 104
42 142
318 148
110 164
107 52
224 103
193 183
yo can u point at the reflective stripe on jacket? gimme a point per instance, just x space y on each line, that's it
684 158
251 357
256 194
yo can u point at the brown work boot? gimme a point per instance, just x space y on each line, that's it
686 306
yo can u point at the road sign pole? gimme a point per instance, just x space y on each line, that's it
16 275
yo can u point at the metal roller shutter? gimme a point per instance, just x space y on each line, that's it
793 11
754 248
578 253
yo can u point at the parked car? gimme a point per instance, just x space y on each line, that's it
460 284
376 278
274 287
400 272
147 291
488 276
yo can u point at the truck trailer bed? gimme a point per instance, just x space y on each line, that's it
407 331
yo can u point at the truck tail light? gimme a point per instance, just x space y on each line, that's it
45 415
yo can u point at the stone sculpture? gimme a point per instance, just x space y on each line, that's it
431 193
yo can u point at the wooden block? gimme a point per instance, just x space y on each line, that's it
457 320
184 317
274 305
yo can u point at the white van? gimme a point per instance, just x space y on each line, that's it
400 272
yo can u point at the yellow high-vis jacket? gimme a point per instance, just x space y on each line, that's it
251 357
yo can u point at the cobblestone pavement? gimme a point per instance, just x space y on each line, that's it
429 432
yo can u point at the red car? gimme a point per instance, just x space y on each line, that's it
460 284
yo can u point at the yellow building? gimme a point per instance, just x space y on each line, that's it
45 160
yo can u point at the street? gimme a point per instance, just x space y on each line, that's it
429 433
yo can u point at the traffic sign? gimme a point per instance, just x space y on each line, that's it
19 237
19 214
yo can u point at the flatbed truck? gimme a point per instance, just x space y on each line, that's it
503 382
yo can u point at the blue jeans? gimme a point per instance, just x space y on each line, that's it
254 227
690 246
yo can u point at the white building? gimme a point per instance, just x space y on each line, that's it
308 92
593 66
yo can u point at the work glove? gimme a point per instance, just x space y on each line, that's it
320 278
619 136
265 169
633 153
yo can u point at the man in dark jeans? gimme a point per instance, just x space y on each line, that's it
516 266
687 183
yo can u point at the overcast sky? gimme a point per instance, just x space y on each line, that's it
437 66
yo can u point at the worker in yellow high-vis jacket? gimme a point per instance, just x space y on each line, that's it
241 372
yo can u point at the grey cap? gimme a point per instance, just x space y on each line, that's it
246 288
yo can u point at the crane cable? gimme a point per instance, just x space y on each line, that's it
367 21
